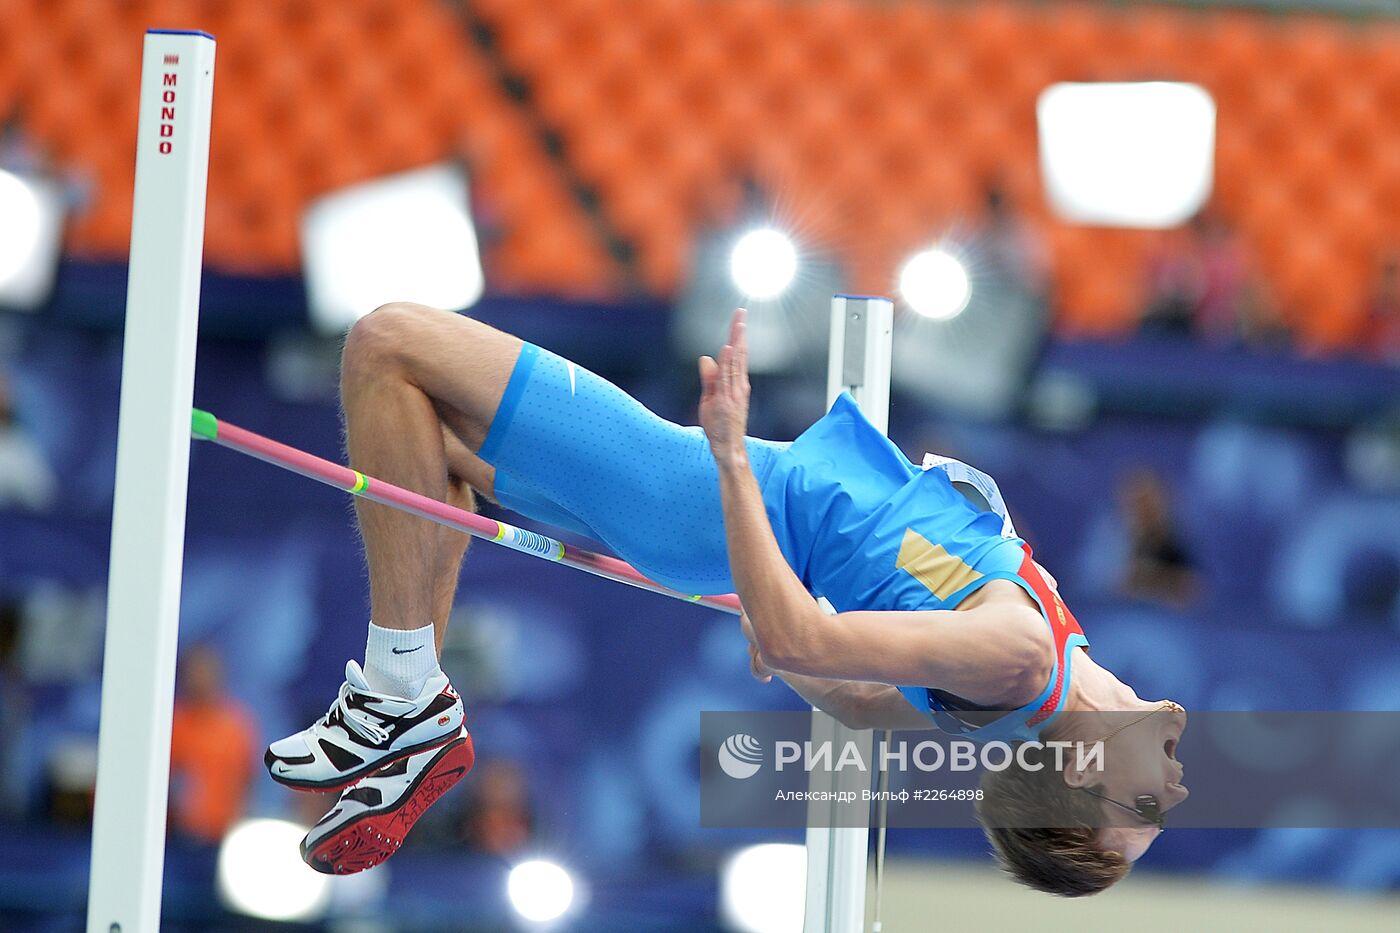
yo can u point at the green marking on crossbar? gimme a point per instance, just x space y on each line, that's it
204 425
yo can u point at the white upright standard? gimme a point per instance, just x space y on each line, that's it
153 455
859 363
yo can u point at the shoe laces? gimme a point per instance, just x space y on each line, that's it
357 720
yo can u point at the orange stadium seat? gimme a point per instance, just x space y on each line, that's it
1157 40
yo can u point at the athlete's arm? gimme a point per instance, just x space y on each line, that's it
778 605
994 654
854 703
857 704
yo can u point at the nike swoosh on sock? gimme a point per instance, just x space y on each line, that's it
405 650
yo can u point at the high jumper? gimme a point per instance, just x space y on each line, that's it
943 618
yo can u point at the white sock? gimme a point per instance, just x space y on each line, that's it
400 661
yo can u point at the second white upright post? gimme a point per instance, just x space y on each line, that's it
858 362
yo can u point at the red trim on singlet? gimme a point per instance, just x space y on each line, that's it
1062 625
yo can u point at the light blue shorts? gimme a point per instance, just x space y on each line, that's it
574 451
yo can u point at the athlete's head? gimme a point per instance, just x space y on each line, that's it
1075 830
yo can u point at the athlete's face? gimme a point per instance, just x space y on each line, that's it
1139 761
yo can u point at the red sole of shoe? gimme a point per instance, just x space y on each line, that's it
370 840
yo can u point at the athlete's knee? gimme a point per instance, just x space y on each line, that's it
384 338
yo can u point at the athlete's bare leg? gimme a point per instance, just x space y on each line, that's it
419 388
451 548
468 476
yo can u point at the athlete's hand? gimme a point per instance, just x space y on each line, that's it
757 666
724 393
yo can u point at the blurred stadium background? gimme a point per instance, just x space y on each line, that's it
1194 414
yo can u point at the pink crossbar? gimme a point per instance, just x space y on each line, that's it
207 427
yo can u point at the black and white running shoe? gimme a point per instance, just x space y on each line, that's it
370 820
364 731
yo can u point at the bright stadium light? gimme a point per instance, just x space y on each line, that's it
540 891
1127 154
407 237
31 234
762 889
788 329
261 874
20 208
934 283
763 263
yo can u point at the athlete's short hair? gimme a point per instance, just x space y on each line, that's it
1043 831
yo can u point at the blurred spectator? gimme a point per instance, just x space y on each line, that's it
499 819
26 479
50 637
1014 249
1199 282
1262 326
17 153
1382 338
1158 565
1174 275
1224 283
15 710
70 779
212 750
61 629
